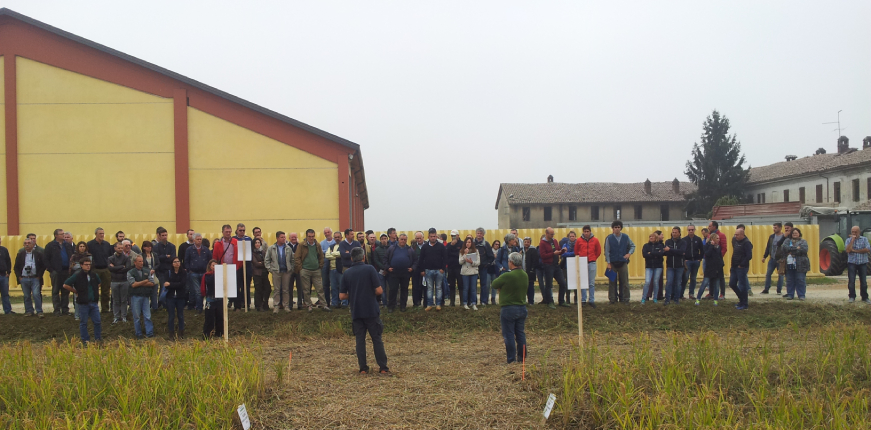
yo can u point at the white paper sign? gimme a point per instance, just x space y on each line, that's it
551 399
244 250
219 281
243 417
572 273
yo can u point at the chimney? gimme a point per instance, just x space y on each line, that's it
793 157
647 187
843 145
549 179
675 186
866 142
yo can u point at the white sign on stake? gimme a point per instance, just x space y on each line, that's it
244 250
243 416
571 269
551 399
219 281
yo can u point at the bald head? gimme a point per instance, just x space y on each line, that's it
739 234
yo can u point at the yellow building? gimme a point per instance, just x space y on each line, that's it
94 137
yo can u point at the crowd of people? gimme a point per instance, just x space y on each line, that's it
123 279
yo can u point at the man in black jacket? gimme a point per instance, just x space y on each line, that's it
485 253
530 266
771 247
693 257
5 270
431 265
453 255
400 265
57 261
742 253
86 284
100 252
29 270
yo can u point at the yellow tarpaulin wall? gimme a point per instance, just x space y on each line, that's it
758 235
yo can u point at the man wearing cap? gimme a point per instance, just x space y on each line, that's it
453 255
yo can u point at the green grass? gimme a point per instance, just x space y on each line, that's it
795 379
126 386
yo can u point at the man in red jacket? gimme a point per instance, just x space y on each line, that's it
724 244
550 252
588 246
226 251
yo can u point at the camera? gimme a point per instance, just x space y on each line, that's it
28 270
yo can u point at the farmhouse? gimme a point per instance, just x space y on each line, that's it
95 137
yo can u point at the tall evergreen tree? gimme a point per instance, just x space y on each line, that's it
716 167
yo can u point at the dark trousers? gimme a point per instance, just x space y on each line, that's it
539 274
416 289
454 282
722 285
325 280
60 296
530 290
242 291
862 271
300 299
213 324
739 284
262 291
551 272
618 289
175 307
374 327
105 289
398 285
564 289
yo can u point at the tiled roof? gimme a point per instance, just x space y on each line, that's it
592 192
812 165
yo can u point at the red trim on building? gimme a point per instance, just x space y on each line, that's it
182 181
11 105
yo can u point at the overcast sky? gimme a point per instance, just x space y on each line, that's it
449 99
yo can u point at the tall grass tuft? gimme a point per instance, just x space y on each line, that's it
131 386
794 379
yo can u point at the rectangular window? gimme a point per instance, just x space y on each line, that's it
785 196
548 214
868 189
801 194
594 213
618 212
836 190
820 193
526 214
663 212
573 213
638 212
855 190
763 197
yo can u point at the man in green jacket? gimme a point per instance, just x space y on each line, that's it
512 288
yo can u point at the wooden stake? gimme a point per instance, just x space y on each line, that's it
224 305
244 277
580 312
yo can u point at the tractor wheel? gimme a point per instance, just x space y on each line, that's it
832 262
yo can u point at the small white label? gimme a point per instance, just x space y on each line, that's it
551 399
246 423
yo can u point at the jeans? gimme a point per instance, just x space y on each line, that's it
119 299
195 296
714 283
852 271
795 283
434 285
469 291
142 309
484 278
651 277
92 311
591 269
740 284
336 282
398 283
4 292
672 289
513 323
374 327
175 307
32 289
692 272
772 267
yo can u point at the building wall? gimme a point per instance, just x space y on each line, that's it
91 153
3 222
774 190
511 216
237 174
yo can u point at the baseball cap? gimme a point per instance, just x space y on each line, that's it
455 233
